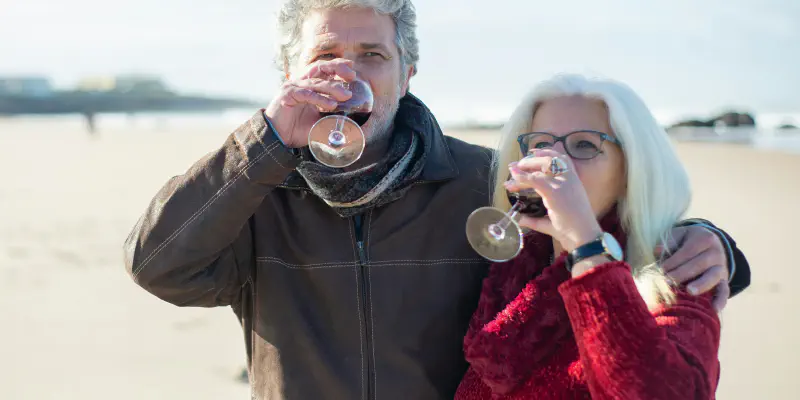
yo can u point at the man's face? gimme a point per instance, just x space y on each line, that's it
366 38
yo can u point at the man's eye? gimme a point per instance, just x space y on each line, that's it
325 56
373 54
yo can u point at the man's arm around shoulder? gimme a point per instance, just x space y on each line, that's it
738 267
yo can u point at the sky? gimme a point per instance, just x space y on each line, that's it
686 58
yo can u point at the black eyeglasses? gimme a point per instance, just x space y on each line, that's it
580 145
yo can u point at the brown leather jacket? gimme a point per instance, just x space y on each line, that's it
332 308
373 307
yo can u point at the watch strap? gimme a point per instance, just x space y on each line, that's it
591 249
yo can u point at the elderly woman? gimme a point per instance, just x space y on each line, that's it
584 311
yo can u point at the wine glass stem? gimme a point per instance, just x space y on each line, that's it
498 229
509 216
340 124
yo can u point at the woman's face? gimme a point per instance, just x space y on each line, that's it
604 175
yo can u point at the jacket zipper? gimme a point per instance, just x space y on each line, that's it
358 221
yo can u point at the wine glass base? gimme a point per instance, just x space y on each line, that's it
486 239
336 141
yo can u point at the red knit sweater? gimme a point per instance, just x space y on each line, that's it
540 334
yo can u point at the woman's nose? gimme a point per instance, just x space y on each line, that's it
560 147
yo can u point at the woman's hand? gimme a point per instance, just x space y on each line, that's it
570 218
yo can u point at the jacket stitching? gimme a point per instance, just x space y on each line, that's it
395 264
430 264
384 262
371 318
300 267
210 201
272 147
369 231
265 128
433 261
329 264
358 309
191 219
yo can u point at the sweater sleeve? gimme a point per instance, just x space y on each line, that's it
499 330
629 352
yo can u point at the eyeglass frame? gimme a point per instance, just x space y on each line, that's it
563 139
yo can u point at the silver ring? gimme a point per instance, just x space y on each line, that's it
558 166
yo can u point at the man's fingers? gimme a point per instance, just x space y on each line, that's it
692 268
722 295
334 89
307 96
675 238
710 279
340 67
688 250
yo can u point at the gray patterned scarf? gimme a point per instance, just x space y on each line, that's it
350 193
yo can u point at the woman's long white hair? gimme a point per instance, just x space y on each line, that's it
658 192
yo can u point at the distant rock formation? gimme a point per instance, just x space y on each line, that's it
787 127
728 119
693 123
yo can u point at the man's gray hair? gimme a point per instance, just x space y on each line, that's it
294 13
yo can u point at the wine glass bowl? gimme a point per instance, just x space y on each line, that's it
360 102
337 140
496 235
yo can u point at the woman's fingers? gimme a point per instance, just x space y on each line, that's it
541 160
542 225
526 180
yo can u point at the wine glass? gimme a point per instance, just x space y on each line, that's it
336 140
496 235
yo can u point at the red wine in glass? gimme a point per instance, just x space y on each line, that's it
337 140
359 118
532 204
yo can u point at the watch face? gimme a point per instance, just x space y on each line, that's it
612 247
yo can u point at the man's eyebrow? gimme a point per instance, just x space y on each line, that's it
326 46
373 46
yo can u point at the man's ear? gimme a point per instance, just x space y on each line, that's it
410 71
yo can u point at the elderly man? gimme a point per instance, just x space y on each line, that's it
352 283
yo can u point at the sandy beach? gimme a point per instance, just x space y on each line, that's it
74 326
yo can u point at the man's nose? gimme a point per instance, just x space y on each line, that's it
357 65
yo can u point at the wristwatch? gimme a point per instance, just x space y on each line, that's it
604 244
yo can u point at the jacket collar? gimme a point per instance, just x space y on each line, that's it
412 114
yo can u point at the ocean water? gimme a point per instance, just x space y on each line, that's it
768 138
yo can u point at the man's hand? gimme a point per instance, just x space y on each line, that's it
297 106
698 257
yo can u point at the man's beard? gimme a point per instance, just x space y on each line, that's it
379 125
